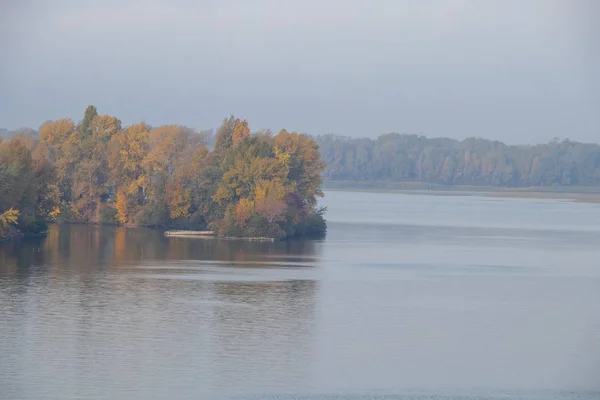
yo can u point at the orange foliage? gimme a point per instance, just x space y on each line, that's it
271 209
243 211
240 132
122 207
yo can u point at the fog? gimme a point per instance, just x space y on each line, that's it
515 71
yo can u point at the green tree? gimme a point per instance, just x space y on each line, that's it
86 125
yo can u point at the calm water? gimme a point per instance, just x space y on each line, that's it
408 297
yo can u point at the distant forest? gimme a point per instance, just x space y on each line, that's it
8 134
474 162
471 162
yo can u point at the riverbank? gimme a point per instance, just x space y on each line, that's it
581 194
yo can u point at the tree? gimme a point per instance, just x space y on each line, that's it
127 151
271 209
272 177
104 127
86 124
28 192
179 200
122 207
62 142
305 164
240 132
20 189
224 138
243 211
48 191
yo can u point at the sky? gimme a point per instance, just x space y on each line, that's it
518 71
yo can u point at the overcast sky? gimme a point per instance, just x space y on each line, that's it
520 71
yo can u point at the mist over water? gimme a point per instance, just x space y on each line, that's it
408 296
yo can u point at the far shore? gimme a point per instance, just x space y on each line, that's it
580 194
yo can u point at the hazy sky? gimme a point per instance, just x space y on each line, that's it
520 71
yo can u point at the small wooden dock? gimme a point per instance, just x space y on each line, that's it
190 233
212 234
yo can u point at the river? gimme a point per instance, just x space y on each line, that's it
407 297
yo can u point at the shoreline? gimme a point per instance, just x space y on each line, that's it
587 195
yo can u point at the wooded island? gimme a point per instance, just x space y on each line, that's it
258 185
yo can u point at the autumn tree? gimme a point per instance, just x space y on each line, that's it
251 162
127 151
47 189
61 139
305 164
122 206
243 211
104 127
240 132
28 194
271 208
170 164
80 155
20 190
269 178
224 138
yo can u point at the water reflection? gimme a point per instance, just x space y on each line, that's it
400 296
104 309
267 336
70 246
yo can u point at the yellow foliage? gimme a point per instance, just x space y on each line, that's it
104 127
179 201
57 132
240 132
243 211
122 207
271 188
167 145
7 219
131 147
306 165
54 213
164 173
284 159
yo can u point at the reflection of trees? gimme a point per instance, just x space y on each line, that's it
74 249
216 334
18 256
237 250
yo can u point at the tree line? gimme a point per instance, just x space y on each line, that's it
97 171
242 184
477 162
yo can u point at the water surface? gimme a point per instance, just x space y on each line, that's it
408 297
